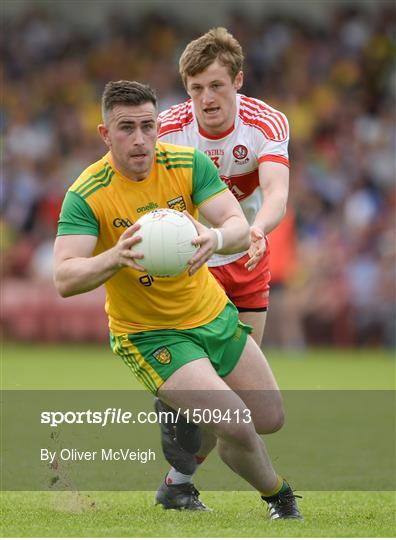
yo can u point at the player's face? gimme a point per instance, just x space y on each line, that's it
131 133
214 96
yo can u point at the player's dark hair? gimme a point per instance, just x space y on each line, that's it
217 44
126 93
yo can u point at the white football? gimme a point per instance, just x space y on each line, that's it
166 242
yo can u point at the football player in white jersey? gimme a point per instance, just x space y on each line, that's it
247 140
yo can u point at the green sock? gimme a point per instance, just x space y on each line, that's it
281 488
285 486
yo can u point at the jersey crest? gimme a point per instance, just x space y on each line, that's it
240 151
178 204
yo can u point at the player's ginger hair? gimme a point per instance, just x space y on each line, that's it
217 44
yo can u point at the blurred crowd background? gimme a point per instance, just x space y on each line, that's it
333 258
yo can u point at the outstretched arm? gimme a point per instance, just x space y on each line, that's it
274 183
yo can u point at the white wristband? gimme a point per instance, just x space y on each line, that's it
220 239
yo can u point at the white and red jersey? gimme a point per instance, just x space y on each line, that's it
260 133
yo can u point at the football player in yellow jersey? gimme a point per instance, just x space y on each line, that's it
183 346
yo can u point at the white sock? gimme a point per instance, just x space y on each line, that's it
176 477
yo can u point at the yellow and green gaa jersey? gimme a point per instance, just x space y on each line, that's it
103 203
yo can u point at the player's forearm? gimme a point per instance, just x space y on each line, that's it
82 274
271 213
236 236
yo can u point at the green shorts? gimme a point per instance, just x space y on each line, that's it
154 355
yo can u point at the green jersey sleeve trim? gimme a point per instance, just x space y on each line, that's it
206 181
77 217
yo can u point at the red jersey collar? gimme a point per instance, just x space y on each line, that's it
215 137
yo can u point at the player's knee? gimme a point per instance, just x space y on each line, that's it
270 421
279 420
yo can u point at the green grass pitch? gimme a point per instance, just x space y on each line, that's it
132 514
